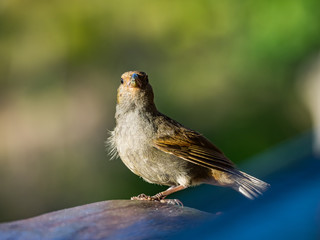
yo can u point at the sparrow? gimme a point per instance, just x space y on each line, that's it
163 151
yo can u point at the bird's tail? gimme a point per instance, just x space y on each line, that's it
249 186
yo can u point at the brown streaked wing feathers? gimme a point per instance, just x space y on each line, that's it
195 148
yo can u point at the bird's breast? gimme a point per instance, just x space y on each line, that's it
133 134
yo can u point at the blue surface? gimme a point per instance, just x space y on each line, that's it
289 210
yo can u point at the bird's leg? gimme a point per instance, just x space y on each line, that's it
160 197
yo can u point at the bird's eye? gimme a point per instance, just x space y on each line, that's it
121 81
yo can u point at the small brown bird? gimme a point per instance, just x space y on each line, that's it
162 151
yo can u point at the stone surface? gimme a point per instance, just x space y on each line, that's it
118 219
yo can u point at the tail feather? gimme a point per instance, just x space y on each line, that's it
250 186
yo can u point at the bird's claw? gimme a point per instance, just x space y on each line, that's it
142 197
157 198
172 201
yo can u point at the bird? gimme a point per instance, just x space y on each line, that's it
162 151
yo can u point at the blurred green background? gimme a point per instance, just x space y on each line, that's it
227 69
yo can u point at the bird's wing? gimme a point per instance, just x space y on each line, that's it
193 147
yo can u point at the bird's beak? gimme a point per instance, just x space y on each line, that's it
133 82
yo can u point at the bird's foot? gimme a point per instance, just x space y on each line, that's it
172 201
157 198
142 197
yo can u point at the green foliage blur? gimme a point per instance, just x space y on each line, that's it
224 68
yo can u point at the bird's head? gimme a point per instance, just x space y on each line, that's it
134 87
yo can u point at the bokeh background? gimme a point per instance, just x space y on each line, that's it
232 70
